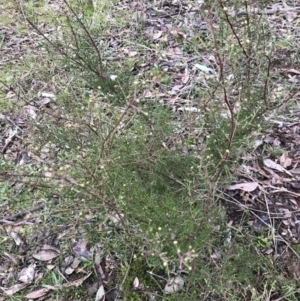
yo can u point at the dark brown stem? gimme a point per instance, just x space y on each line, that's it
22 213
100 71
226 100
267 80
81 61
234 32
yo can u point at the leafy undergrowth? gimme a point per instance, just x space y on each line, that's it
123 126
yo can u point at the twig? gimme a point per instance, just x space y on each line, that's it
226 100
9 140
235 201
21 213
89 36
234 32
81 61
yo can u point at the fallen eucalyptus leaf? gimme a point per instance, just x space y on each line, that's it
45 255
250 186
27 274
204 68
174 285
100 296
38 293
271 164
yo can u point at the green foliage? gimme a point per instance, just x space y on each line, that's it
121 158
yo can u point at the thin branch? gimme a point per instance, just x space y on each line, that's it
89 36
21 213
226 100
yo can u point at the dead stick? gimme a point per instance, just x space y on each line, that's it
21 213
